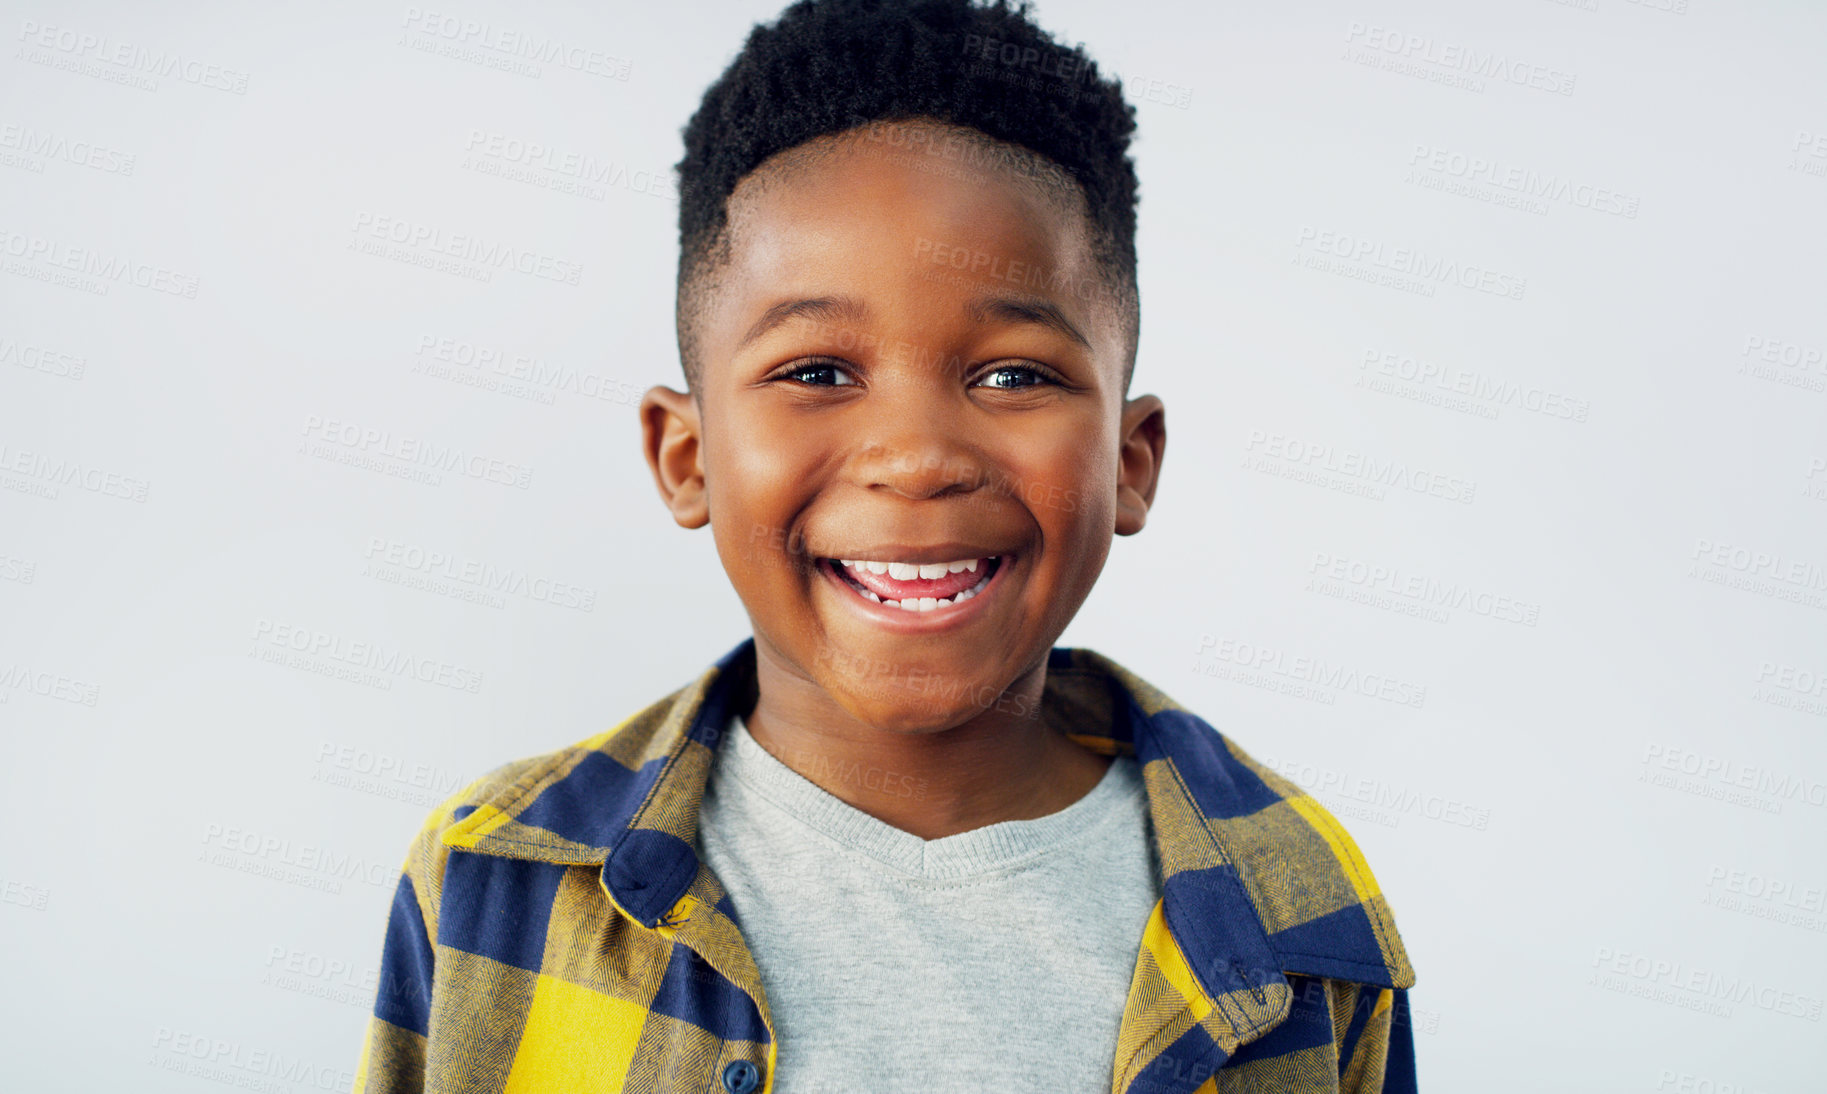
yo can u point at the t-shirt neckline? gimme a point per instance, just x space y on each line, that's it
994 847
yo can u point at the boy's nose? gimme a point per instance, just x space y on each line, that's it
919 464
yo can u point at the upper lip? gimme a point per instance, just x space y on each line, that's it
943 552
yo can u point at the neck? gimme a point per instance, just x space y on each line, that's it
999 763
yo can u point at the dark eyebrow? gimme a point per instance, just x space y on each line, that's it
1023 309
824 309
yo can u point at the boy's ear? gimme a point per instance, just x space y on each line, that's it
672 438
1144 440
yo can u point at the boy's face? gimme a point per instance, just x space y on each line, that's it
908 359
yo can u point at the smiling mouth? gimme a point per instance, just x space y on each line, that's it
915 587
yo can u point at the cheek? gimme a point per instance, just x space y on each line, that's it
1069 486
751 463
755 486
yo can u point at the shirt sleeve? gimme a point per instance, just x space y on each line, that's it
393 1057
1377 1051
393 1051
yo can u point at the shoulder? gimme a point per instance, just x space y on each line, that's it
1320 903
555 806
428 854
1320 906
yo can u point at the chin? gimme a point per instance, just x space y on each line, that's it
905 707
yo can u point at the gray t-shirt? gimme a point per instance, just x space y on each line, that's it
994 959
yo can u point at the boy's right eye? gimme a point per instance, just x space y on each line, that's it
820 374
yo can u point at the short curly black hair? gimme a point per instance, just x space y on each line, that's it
833 66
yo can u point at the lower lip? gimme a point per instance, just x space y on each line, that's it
902 621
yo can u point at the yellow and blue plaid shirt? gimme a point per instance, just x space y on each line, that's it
554 930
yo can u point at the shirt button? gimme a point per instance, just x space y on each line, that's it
741 1077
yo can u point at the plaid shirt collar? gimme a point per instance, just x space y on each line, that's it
1259 881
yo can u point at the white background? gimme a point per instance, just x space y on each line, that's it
1601 828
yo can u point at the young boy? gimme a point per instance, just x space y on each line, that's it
896 841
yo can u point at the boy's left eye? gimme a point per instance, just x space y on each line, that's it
1014 377
820 374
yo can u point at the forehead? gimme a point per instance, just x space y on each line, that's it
918 149
887 203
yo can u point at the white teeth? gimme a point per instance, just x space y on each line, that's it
925 571
908 571
922 603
